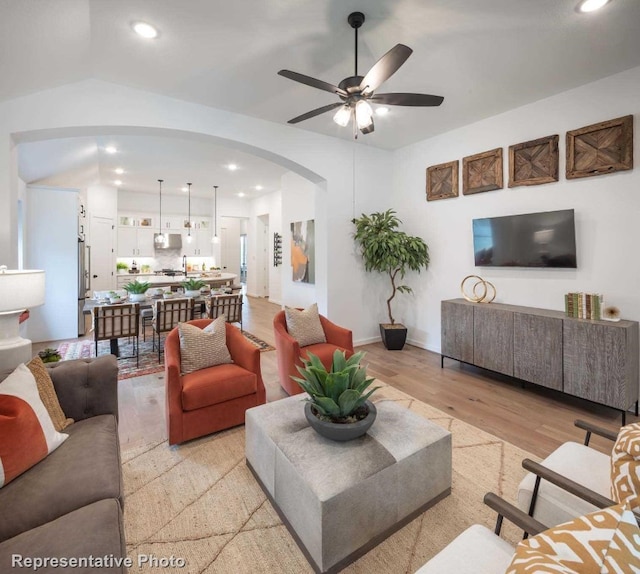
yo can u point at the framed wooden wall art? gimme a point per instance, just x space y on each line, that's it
482 172
442 180
600 148
534 162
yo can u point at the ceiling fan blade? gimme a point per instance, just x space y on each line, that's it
385 67
313 82
368 129
407 99
316 112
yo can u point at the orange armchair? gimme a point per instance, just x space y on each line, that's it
215 398
289 352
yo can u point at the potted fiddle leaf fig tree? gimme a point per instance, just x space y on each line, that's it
386 249
338 407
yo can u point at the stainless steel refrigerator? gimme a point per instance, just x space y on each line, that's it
84 284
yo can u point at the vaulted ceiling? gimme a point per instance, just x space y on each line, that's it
484 57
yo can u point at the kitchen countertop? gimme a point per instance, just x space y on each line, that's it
162 280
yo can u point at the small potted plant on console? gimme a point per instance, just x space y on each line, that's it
387 250
338 407
137 290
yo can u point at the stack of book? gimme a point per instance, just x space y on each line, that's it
584 305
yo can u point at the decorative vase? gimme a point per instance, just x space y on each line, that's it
339 431
192 293
137 297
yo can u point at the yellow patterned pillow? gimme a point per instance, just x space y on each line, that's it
625 467
603 542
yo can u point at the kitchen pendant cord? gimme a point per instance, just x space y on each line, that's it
189 215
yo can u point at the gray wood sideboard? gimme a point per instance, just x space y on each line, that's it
593 360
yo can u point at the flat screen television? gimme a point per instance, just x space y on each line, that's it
546 239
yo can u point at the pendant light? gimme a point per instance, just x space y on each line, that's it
189 238
159 238
215 238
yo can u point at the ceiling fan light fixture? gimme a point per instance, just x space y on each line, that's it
342 116
591 5
145 30
382 111
364 114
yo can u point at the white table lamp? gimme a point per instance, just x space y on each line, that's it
19 290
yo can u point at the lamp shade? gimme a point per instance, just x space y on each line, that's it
21 289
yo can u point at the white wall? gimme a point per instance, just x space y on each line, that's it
171 204
298 204
607 210
271 205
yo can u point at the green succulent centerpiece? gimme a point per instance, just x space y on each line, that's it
136 287
338 397
193 284
137 290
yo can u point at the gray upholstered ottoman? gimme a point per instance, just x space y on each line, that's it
340 499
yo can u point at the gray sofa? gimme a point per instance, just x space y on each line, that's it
70 504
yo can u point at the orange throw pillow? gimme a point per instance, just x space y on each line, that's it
27 434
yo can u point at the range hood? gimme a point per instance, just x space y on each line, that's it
171 241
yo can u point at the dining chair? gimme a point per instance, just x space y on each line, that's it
167 314
112 322
228 305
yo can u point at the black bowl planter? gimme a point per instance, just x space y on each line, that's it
393 336
339 431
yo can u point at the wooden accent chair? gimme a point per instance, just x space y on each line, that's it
228 305
478 550
168 313
111 322
214 398
289 352
572 481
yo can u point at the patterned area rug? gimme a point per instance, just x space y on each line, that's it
200 502
127 367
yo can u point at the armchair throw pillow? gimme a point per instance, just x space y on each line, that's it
625 467
202 348
48 394
603 542
27 434
305 326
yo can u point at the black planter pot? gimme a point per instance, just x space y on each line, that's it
337 431
394 337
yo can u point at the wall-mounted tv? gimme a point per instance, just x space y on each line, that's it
546 239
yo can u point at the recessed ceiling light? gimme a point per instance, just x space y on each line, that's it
145 30
232 167
241 194
382 111
110 149
258 187
119 170
591 5
118 182
185 189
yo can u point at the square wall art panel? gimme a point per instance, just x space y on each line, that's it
303 251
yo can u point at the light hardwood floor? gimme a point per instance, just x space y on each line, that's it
535 419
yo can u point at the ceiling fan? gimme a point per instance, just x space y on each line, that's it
357 91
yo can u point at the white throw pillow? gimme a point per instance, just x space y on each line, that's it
202 348
305 326
27 434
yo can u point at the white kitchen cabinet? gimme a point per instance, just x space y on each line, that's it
135 241
200 245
